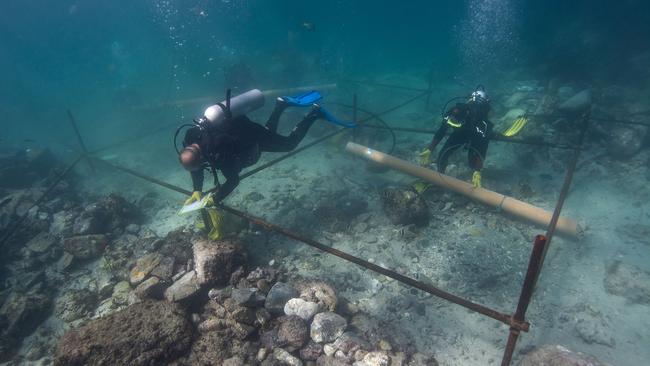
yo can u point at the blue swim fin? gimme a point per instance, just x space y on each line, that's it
330 118
303 100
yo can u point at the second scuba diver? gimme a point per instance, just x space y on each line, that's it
470 129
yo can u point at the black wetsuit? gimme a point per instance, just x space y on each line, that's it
239 145
471 129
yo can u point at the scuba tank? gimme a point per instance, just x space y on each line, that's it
217 114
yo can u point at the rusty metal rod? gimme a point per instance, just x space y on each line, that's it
531 274
494 314
525 296
145 177
58 179
510 347
79 139
504 318
566 185
542 243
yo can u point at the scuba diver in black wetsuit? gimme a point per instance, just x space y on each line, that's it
227 140
471 129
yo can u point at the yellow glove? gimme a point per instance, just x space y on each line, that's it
196 196
476 179
425 157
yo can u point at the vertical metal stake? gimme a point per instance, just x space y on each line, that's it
534 267
81 141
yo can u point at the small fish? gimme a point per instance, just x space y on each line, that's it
308 26
29 140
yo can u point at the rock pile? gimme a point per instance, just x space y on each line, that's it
48 265
238 317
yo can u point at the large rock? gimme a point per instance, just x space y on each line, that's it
149 289
21 313
578 103
328 326
106 215
215 261
41 243
144 266
626 141
293 333
89 222
628 281
278 296
75 304
404 206
85 246
165 269
249 297
146 333
319 292
184 288
558 356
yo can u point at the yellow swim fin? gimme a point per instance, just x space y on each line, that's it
516 126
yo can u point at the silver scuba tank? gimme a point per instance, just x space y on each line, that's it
215 115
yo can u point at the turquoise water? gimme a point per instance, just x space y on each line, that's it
128 69
99 57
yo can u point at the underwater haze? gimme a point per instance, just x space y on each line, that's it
98 103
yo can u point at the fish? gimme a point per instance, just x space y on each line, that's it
29 140
308 26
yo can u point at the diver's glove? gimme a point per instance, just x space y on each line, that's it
425 157
196 196
476 179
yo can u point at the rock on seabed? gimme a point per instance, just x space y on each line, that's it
146 333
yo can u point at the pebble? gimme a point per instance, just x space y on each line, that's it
328 349
261 354
327 326
304 309
286 357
